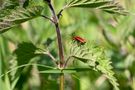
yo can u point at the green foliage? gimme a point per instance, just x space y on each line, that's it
115 33
26 3
18 16
95 58
105 5
10 4
25 52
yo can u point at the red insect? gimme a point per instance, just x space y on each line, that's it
79 39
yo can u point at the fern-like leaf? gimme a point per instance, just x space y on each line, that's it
105 5
96 59
10 4
18 16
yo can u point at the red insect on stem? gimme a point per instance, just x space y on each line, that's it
79 39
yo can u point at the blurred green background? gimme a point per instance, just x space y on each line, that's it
115 33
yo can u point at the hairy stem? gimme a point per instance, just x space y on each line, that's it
60 46
55 21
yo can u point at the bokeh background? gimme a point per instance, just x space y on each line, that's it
114 32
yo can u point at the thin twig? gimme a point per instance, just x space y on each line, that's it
47 18
50 55
60 12
46 52
67 61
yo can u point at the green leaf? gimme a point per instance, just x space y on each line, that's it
89 4
58 71
25 52
96 59
4 12
10 4
105 5
67 70
18 16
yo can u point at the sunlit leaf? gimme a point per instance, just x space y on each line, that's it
18 16
10 4
105 5
96 59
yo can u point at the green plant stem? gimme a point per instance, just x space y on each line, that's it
62 81
60 46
